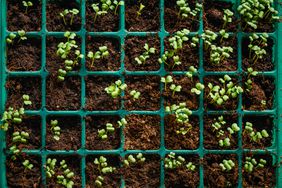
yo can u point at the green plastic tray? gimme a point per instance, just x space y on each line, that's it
275 150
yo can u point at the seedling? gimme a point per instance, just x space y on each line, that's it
72 13
116 89
55 129
219 54
103 133
219 95
227 165
175 88
50 167
139 158
103 168
192 71
227 17
26 100
10 38
66 179
141 7
22 35
224 143
198 88
135 94
185 11
27 4
122 122
17 139
101 53
166 80
223 34
173 162
251 163
255 136
249 81
209 37
11 116
142 58
27 165
257 43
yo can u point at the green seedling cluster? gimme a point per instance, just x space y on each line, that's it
21 34
254 11
227 165
116 89
219 95
198 88
18 138
27 4
249 81
185 11
110 129
131 160
65 49
166 80
141 8
101 53
191 72
251 163
27 165
227 17
103 168
135 94
122 122
105 6
256 46
26 100
175 88
55 129
173 162
50 167
255 136
146 55
69 13
11 116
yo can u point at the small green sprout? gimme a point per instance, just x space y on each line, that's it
50 167
103 168
72 13
11 116
209 37
219 54
185 11
55 129
251 163
166 80
102 53
66 179
142 58
257 43
249 81
10 38
255 136
223 34
263 103
22 35
117 4
17 139
227 165
116 89
224 143
135 94
27 100
227 17
234 128
139 158
173 162
27 4
103 133
219 122
175 88
192 71
122 122
27 165
141 7
98 11
198 89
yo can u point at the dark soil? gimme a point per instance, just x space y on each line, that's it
95 123
189 56
213 16
173 23
17 18
53 61
181 177
185 95
262 89
25 55
229 64
31 125
149 20
73 163
92 172
230 104
210 138
108 22
264 64
260 177
213 174
134 47
149 87
70 133
178 141
55 21
18 176
142 132
19 86
259 123
96 96
112 62
63 95
145 174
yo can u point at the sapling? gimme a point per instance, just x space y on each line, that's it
173 162
227 17
167 80
73 12
135 94
175 88
26 100
198 88
142 58
10 38
251 164
116 89
27 165
103 169
139 12
249 81
27 4
139 158
101 53
55 129
255 136
227 165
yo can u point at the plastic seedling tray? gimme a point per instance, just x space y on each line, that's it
275 150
